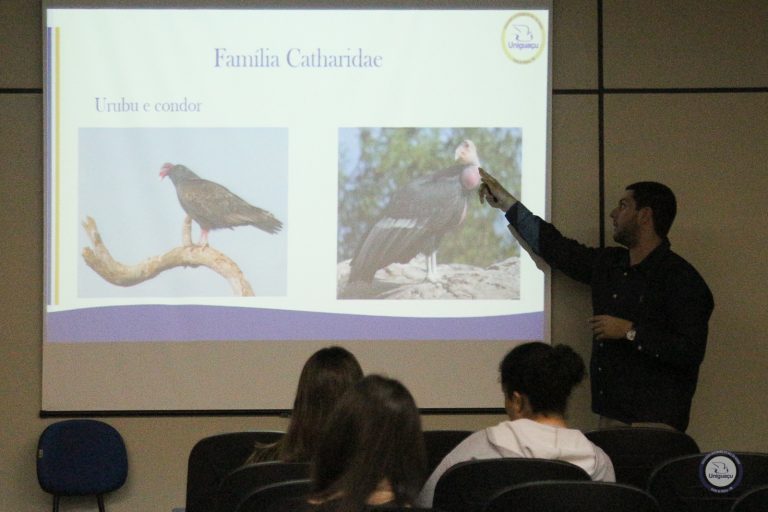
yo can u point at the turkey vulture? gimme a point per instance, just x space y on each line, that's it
213 206
418 216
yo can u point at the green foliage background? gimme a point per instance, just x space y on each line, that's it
374 162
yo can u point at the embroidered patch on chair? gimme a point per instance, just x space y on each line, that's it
720 471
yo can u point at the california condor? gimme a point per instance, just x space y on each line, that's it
418 216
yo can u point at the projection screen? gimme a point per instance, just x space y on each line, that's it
228 189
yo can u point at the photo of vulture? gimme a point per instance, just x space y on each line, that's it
213 206
223 177
418 216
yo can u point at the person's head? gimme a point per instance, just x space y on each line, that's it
537 379
326 375
373 437
645 203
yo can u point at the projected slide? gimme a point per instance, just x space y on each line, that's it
269 175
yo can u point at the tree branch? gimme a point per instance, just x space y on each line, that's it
102 262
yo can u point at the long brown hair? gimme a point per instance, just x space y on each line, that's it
326 375
373 436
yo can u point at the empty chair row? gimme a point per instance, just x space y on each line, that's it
580 496
552 496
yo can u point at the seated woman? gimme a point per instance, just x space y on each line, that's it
371 453
537 380
326 375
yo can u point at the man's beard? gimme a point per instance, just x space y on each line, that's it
626 236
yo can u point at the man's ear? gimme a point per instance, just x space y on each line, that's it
645 215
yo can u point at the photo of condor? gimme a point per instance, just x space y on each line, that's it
213 206
408 197
418 216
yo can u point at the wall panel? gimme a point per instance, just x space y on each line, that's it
686 43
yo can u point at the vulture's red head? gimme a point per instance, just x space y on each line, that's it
165 169
466 153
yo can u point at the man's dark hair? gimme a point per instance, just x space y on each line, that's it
660 199
543 373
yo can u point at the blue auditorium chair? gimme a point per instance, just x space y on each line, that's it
81 458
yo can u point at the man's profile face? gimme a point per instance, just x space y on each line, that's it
625 225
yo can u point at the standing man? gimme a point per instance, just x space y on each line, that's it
651 307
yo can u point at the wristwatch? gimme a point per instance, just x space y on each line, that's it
630 335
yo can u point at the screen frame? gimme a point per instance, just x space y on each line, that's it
458 5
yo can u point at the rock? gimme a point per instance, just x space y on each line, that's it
456 281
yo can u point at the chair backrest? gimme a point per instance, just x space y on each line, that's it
683 484
439 443
575 496
213 458
469 486
636 451
244 480
755 500
81 458
283 496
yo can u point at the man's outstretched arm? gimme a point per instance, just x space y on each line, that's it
542 238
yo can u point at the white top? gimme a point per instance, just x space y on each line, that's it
528 439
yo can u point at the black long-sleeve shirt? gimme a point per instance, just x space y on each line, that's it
653 378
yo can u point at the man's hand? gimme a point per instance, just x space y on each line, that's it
606 327
494 194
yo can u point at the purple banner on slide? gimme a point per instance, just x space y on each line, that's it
214 323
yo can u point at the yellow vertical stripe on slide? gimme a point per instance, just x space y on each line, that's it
57 160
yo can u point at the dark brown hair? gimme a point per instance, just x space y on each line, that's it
373 435
326 375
